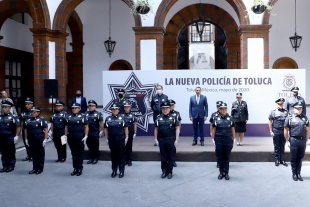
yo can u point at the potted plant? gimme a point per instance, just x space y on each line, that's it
140 7
258 7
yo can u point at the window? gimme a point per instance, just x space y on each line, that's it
206 35
13 82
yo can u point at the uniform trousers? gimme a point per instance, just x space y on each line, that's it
93 146
26 146
167 154
224 146
77 149
7 149
37 150
279 146
298 147
117 147
61 149
198 122
128 148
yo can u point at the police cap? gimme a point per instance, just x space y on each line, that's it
59 103
238 95
76 105
218 103
165 105
115 106
127 103
280 101
35 109
28 100
297 105
121 90
223 105
172 102
92 103
6 103
295 88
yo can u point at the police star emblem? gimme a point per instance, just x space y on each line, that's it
139 96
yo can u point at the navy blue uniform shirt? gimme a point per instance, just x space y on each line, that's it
240 111
278 117
297 125
115 125
156 101
24 116
94 119
166 125
35 126
76 122
223 126
176 114
8 124
130 119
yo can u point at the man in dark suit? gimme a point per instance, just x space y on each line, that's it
198 114
80 100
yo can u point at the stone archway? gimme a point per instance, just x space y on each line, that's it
120 65
285 63
189 15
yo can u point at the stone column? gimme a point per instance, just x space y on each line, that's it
2 67
150 33
170 55
254 31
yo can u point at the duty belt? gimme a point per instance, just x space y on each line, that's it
116 136
297 137
223 137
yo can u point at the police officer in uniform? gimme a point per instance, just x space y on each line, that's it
36 134
24 116
223 133
239 112
58 123
121 100
156 102
215 115
296 132
167 136
132 132
175 114
116 131
76 131
95 125
288 105
276 126
9 131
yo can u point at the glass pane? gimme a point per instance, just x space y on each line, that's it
7 83
8 92
13 65
14 70
18 84
13 83
19 94
7 64
19 68
13 93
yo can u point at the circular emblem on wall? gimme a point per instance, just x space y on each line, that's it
289 81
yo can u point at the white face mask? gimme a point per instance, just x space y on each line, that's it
159 92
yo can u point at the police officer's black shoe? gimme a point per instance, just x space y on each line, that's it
79 172
63 160
10 169
164 175
194 143
295 178
3 170
32 172
58 160
129 163
95 161
284 163
299 177
26 159
202 143
90 161
39 172
169 176
30 159
276 163
220 177
121 174
155 144
113 175
75 171
175 164
227 177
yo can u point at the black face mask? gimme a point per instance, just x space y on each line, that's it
120 95
295 93
78 95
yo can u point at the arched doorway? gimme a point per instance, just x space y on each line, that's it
120 65
214 15
285 63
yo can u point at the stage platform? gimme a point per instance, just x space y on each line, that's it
254 149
